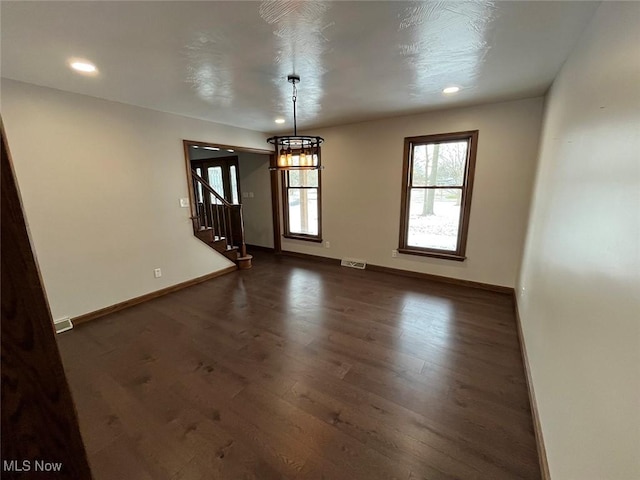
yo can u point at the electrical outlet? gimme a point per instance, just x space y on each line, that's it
184 202
250 194
157 273
394 253
327 244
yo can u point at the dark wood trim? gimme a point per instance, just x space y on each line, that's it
440 279
275 208
193 205
39 420
404 198
314 258
233 147
260 248
470 173
305 238
285 203
432 253
87 317
466 193
228 158
537 427
319 195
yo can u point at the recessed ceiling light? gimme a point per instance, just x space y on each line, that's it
230 150
83 66
279 120
211 148
451 90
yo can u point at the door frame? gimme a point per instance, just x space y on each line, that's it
275 186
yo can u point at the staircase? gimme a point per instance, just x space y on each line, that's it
219 223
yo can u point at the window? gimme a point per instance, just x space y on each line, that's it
437 181
301 200
214 175
233 174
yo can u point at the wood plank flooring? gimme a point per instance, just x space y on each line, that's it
303 370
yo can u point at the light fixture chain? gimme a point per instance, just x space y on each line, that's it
294 98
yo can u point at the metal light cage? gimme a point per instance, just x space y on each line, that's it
296 152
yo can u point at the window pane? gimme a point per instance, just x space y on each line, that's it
303 178
440 164
303 210
234 184
199 193
434 217
215 180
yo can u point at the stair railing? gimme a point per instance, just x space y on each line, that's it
216 216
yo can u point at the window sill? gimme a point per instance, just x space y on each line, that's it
435 254
306 238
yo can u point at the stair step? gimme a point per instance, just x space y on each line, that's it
220 244
205 234
231 253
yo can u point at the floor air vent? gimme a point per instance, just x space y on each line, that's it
350 262
63 324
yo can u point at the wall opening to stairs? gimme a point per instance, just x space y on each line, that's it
231 192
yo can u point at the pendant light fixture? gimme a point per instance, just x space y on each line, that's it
296 152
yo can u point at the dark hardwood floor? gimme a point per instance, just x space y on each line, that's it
303 370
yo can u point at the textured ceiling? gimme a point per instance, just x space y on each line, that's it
227 61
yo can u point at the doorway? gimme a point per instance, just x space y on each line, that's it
222 174
241 176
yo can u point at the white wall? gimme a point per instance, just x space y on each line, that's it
255 179
580 284
361 187
101 183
